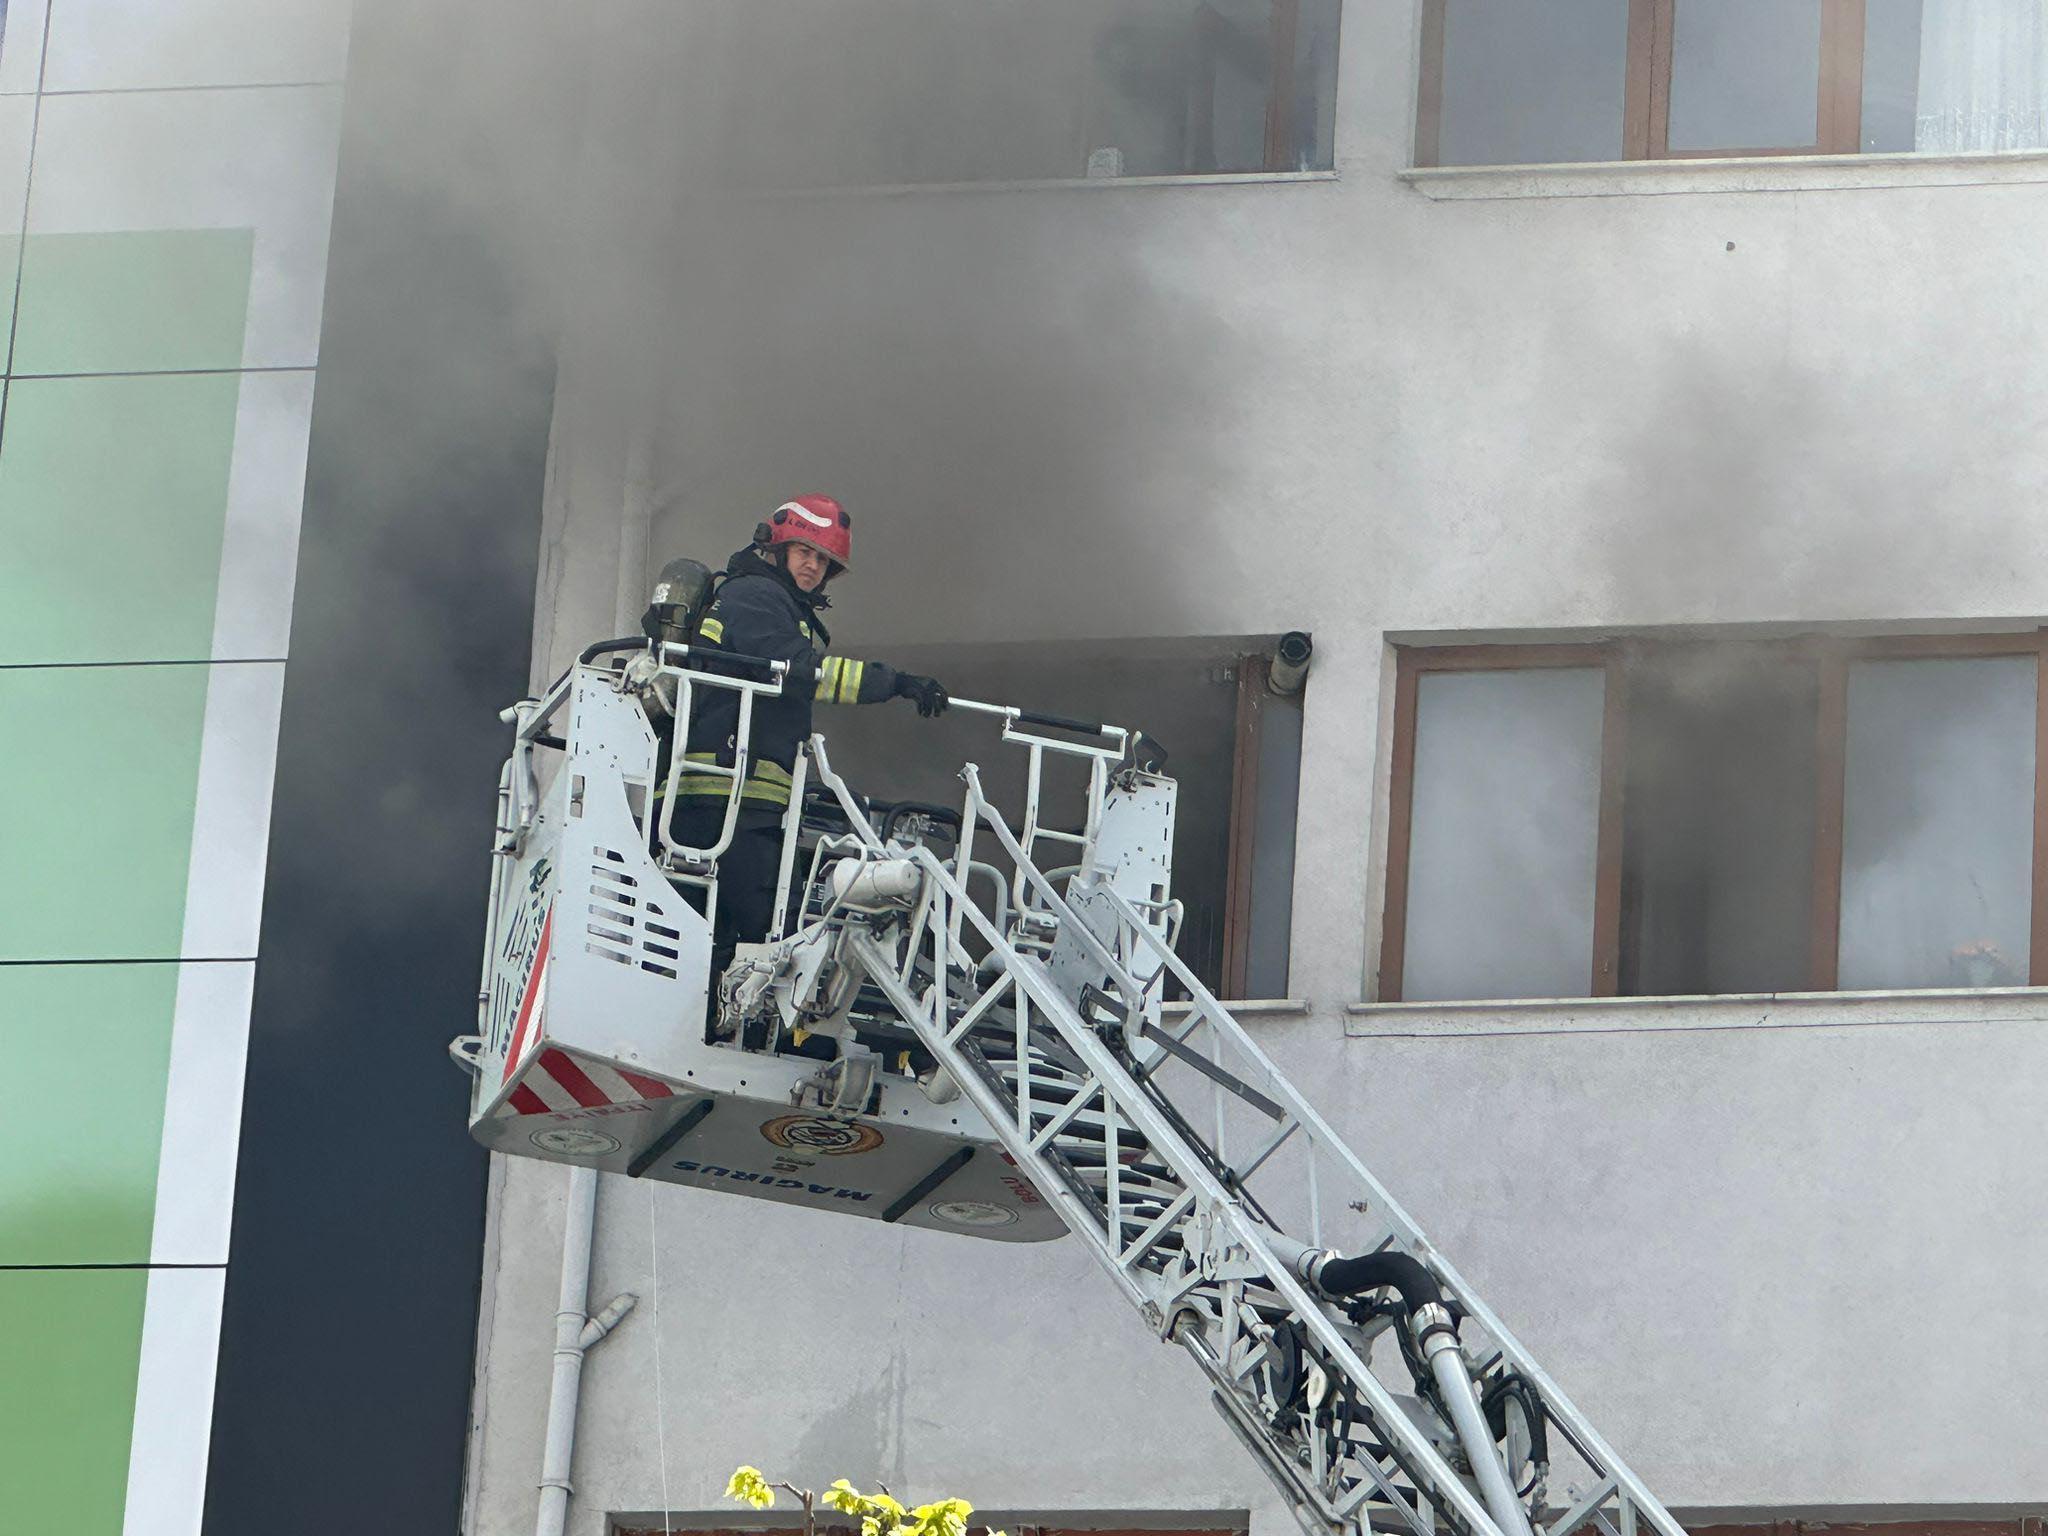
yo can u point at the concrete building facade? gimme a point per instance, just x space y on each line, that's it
1706 448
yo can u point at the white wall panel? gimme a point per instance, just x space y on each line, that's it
231 815
21 46
126 45
195 1178
234 159
174 1402
266 492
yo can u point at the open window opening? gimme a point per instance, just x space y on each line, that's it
1233 747
909 92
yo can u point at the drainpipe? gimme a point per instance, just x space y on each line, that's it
575 1333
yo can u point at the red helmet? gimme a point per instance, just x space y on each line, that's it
818 521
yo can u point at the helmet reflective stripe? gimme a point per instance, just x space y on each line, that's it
804 512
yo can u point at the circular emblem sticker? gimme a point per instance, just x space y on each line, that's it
972 1213
811 1133
571 1141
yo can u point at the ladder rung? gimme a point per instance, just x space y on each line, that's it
974 1015
1143 1242
1214 1073
1582 1511
1061 1121
1273 1144
1418 1522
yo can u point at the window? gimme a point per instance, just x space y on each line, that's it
1233 747
1669 819
1504 782
1718 811
1508 83
892 92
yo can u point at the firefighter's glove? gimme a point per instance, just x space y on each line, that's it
640 674
926 692
643 679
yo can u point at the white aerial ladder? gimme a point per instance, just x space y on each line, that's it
1005 1063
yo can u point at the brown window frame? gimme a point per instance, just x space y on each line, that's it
1411 664
1252 672
1831 657
1646 95
1255 704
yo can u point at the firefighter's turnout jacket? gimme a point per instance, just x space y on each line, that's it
760 611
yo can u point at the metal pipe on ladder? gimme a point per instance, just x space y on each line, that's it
1430 1323
1454 1386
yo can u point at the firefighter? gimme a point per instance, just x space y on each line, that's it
767 606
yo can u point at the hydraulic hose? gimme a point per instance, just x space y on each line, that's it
1340 1277
1432 1354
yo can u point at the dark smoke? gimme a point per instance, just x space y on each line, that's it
523 189
1010 392
1006 390
1005 421
1754 487
1764 486
359 1207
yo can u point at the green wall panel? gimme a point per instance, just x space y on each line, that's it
70 1343
89 1049
133 301
113 503
99 782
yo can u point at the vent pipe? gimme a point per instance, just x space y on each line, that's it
1290 663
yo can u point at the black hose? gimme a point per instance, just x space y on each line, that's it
1061 722
591 652
1347 1277
1495 1406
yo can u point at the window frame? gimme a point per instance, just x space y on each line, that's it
1831 656
1285 37
1411 663
1255 704
1646 93
1252 672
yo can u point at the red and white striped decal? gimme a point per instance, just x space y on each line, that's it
559 1081
530 1001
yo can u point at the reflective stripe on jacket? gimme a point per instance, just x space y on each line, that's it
767 783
